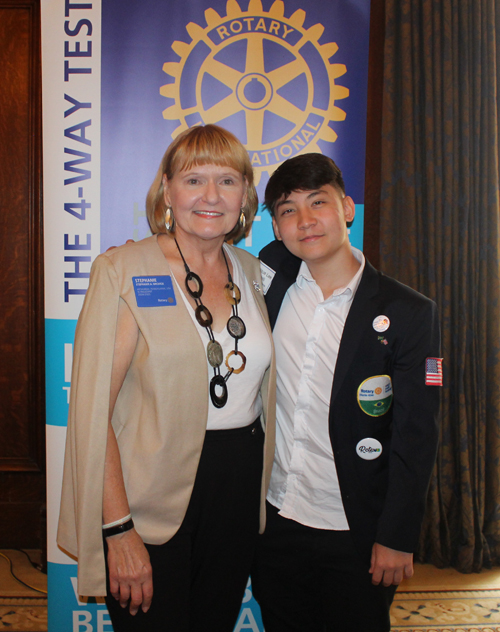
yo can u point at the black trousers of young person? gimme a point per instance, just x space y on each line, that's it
314 580
200 575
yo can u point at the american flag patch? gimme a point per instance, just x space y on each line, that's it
434 371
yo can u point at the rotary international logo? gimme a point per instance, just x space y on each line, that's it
261 75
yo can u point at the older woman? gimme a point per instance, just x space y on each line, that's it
173 384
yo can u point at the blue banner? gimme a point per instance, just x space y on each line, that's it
284 77
121 79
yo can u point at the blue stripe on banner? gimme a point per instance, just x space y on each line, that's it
356 228
261 233
249 617
67 613
59 337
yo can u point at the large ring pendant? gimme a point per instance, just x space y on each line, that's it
236 327
203 316
192 277
214 353
232 292
242 358
218 400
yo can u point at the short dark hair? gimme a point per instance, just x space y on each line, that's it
306 172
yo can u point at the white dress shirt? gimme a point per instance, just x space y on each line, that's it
304 483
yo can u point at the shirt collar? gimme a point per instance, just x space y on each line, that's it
304 277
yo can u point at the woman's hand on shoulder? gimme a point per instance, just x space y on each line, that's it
130 572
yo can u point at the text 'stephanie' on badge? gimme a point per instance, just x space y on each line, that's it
375 395
369 449
154 291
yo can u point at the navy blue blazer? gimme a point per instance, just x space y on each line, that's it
384 498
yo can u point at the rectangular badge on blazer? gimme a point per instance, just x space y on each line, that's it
154 291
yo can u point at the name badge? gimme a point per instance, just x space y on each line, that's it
154 291
267 275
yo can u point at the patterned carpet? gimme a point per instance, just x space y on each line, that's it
23 606
433 601
23 615
446 611
454 611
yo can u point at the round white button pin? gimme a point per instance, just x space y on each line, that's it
369 449
381 323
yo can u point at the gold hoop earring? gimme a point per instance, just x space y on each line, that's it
169 220
242 220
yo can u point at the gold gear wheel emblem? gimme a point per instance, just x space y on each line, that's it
262 76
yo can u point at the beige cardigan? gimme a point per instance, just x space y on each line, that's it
160 414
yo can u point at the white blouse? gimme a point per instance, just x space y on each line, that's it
244 403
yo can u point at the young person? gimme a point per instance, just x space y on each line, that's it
357 403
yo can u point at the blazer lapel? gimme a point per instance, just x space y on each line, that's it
275 295
355 322
286 266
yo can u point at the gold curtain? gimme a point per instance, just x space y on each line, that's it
439 233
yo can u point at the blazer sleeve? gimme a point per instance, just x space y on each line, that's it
80 523
415 433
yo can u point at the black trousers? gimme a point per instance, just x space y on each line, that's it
200 575
314 580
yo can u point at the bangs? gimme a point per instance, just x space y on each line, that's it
196 160
209 145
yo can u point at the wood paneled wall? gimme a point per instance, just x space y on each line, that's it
22 418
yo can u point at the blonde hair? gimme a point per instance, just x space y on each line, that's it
202 145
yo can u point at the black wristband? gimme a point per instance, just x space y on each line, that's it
121 528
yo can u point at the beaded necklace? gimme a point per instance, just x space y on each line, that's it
235 326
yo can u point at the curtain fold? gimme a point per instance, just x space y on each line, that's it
439 233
